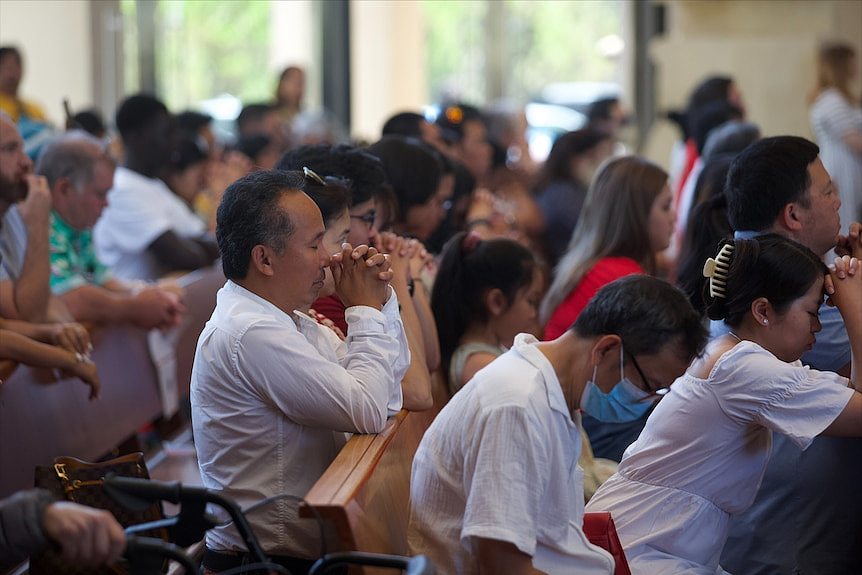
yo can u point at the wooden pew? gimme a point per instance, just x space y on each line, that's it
365 492
200 287
41 418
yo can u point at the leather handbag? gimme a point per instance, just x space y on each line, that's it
601 531
71 479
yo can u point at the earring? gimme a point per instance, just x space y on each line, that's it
766 322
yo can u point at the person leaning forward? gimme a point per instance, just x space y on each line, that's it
274 397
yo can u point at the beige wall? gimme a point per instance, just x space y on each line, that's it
55 39
768 47
387 63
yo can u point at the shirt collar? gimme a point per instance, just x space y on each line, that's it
232 287
525 346
747 235
61 226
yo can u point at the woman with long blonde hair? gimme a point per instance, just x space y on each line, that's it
837 120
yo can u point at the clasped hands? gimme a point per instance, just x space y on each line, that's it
362 275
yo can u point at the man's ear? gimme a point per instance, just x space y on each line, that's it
791 217
604 345
261 259
496 302
63 188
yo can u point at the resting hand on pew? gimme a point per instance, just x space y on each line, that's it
21 348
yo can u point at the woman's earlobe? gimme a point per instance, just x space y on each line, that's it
761 310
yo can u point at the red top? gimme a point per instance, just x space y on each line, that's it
332 308
691 157
604 272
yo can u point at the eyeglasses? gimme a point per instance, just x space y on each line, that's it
654 391
366 218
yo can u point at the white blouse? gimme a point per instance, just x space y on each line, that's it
703 452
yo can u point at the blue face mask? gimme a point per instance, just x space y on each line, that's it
624 403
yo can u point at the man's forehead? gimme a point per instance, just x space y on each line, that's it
303 212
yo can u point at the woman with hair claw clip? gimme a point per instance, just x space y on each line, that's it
703 452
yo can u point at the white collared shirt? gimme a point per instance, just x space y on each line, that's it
500 462
274 400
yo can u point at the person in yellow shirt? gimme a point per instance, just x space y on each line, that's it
32 123
11 71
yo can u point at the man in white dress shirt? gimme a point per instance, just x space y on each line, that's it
274 394
496 486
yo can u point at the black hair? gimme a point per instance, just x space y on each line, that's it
558 166
252 145
411 168
707 118
90 121
192 122
404 124
647 313
457 212
136 113
453 117
765 177
10 51
332 198
466 274
601 109
251 113
248 215
364 171
707 227
769 266
712 89
186 152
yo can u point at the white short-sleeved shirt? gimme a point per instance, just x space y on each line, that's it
703 452
500 462
274 400
140 209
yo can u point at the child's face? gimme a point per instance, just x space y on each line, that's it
523 315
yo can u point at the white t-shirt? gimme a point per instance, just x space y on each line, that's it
703 452
140 209
500 462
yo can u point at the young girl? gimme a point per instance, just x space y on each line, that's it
627 218
703 452
486 292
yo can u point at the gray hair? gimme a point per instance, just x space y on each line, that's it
71 155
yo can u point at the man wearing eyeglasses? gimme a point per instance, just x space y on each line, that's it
496 486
